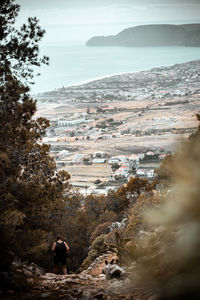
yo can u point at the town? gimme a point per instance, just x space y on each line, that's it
157 83
106 131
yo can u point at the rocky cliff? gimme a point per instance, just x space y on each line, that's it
151 36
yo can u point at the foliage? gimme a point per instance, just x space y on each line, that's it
164 171
31 190
136 222
74 229
136 186
98 247
114 167
99 230
117 202
168 256
97 181
101 211
196 134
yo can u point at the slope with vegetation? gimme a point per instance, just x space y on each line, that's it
36 200
31 188
159 241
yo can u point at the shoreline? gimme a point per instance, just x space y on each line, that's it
126 73
116 74
102 77
94 79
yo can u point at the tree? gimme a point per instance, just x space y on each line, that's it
117 202
114 167
31 191
136 186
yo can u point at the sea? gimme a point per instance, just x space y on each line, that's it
73 63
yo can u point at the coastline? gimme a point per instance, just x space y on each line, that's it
75 66
129 73
93 80
102 77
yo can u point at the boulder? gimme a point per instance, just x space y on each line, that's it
112 270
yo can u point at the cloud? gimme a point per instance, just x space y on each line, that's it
105 17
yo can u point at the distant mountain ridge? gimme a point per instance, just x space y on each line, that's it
151 36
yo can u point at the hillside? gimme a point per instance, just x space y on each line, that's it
151 36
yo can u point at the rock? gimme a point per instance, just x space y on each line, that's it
28 273
19 270
87 295
69 280
112 270
46 283
38 272
16 261
64 297
100 294
10 292
102 276
45 295
49 275
77 293
30 280
127 282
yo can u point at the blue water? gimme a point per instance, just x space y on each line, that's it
73 64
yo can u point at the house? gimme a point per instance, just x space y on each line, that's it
78 158
111 188
141 155
140 172
120 159
113 160
93 190
162 156
134 157
99 154
99 161
150 153
123 171
148 173
63 154
63 123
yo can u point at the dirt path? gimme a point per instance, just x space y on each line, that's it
90 284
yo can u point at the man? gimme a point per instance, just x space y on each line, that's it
60 249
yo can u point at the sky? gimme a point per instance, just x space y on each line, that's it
78 20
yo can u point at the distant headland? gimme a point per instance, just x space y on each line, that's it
152 35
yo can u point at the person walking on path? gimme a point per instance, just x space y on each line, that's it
60 249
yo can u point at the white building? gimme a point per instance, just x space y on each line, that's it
99 154
63 123
149 173
134 157
99 161
122 171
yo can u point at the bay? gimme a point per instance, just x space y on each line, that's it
74 63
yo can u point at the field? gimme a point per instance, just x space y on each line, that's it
149 125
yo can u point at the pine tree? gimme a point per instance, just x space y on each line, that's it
31 191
